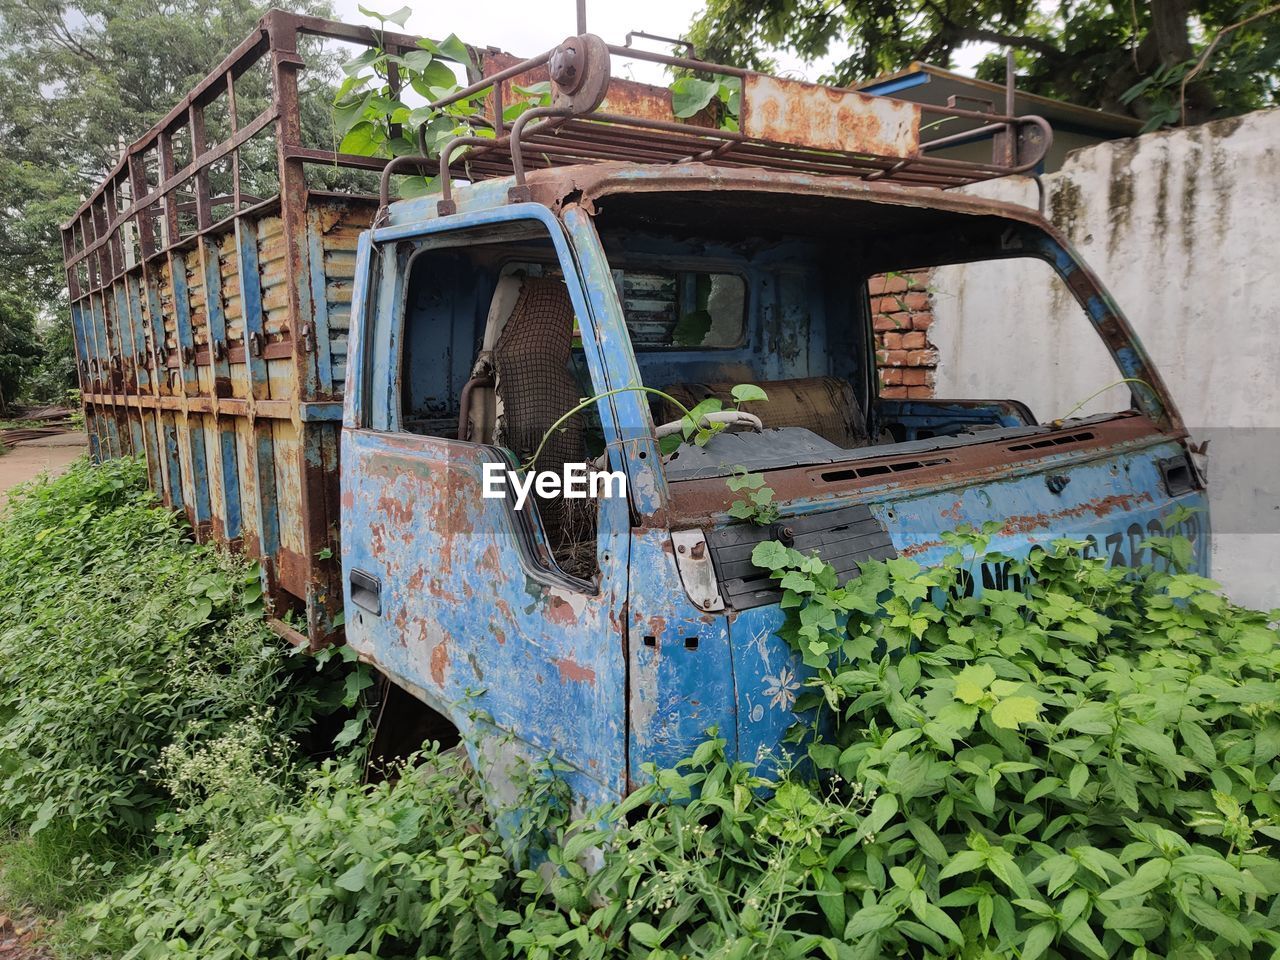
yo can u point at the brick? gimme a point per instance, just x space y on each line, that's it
875 285
882 358
917 358
894 393
915 301
896 358
902 320
912 341
919 393
893 341
895 284
921 321
880 323
894 375
914 376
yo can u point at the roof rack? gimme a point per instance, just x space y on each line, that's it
783 124
183 177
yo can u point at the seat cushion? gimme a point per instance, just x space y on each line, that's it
825 405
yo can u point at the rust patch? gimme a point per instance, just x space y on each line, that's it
439 661
1099 508
561 612
571 670
810 115
399 511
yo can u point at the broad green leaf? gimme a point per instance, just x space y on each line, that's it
869 920
645 934
972 682
936 919
1012 711
771 555
747 392
1038 940
963 861
1076 780
689 95
355 878
1146 919
930 845
1145 879
363 139
1092 718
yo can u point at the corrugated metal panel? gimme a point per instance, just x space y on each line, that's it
339 245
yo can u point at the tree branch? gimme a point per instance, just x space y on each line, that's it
1208 51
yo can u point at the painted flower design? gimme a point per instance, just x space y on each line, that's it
781 689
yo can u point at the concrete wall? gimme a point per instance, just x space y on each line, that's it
1184 229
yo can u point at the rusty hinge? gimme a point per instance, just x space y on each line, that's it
307 337
255 344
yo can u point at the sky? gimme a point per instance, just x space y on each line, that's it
528 28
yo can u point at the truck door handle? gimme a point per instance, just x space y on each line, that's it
366 592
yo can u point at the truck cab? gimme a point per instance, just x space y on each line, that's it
612 632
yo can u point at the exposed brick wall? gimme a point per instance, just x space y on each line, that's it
901 312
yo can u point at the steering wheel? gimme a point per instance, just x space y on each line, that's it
732 420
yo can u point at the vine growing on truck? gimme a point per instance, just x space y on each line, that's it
374 117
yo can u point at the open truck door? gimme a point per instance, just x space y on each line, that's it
503 616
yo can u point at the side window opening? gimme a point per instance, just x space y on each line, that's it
492 354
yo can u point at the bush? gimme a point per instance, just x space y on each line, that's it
399 870
1084 767
121 642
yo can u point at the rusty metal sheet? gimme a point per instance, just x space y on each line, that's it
824 118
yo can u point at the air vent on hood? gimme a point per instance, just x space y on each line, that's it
1043 442
880 469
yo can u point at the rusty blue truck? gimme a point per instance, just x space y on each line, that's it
334 383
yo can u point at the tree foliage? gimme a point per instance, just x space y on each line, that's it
1123 57
19 348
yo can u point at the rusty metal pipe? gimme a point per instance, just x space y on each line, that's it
552 114
464 404
995 128
445 206
384 183
673 61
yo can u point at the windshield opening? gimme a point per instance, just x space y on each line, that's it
867 325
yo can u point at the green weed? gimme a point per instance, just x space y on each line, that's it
127 654
1082 765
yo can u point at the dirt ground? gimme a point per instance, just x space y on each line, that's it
28 460
19 936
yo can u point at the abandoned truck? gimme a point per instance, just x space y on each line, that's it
322 379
